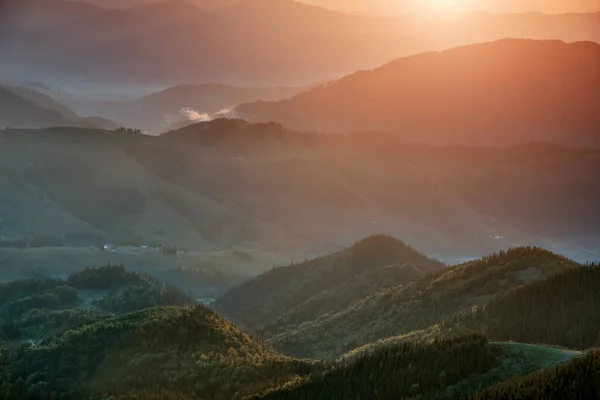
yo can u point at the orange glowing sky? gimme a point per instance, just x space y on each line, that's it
499 6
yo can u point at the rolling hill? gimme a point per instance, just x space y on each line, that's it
285 297
35 309
425 302
441 369
26 108
183 353
19 113
508 93
577 379
557 310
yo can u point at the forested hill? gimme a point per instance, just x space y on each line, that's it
561 310
291 295
38 308
577 380
160 353
425 302
449 369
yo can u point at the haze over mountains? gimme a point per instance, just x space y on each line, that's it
226 183
494 93
254 42
24 108
285 200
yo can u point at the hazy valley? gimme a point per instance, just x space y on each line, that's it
299 200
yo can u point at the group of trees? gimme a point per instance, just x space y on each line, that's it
408 370
419 305
173 351
577 380
35 308
561 309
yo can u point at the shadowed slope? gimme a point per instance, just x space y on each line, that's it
425 302
289 296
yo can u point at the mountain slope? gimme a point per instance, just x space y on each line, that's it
437 369
508 91
16 112
288 296
423 303
176 352
216 185
578 379
186 104
559 310
71 119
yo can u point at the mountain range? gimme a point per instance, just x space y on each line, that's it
250 44
92 335
224 183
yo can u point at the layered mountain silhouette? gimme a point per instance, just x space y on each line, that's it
177 106
251 42
492 93
214 184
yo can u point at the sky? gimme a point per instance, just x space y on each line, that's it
445 6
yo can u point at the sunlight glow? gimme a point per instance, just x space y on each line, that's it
442 7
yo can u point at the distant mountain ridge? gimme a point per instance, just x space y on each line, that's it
25 108
216 184
493 93
123 43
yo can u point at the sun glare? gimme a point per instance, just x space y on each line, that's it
442 7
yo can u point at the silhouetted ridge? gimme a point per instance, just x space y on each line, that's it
508 93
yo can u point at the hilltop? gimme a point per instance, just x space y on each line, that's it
286 297
508 93
425 302
170 352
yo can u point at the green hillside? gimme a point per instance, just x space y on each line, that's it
167 353
428 301
288 296
437 369
38 308
561 309
577 380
